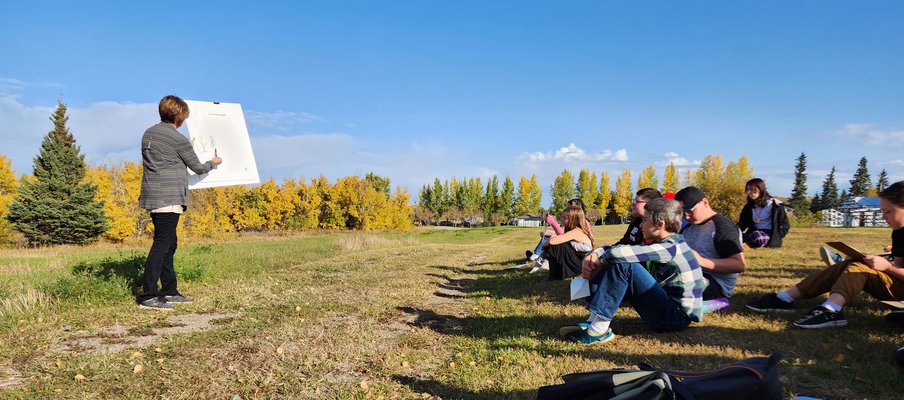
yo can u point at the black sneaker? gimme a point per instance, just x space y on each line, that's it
155 303
895 318
177 299
899 357
821 317
770 303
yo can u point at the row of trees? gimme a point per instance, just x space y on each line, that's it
67 202
466 199
829 196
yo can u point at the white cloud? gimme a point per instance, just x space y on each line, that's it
574 154
871 135
280 120
303 151
10 87
21 131
109 131
678 160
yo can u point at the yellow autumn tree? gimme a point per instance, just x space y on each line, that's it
210 212
307 210
604 197
647 178
724 185
249 209
8 185
402 214
670 181
623 194
522 197
331 213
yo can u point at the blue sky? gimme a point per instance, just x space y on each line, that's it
415 90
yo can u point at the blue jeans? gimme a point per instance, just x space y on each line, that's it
631 281
539 250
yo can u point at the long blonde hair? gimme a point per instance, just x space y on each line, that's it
574 218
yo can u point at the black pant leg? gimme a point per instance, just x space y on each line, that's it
163 247
168 272
564 261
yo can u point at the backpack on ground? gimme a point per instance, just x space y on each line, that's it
753 378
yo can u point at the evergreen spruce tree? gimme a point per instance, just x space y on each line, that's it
816 204
860 182
58 207
799 193
882 182
829 196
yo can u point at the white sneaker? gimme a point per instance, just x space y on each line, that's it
538 265
534 257
828 256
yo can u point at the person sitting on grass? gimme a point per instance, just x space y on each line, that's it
565 252
843 281
668 300
716 241
537 254
763 220
634 235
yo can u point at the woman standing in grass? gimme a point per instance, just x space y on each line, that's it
763 220
565 252
876 275
165 153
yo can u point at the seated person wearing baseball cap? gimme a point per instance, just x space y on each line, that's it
715 239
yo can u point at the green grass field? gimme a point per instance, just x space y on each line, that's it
433 313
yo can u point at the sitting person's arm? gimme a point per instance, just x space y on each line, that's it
727 243
656 252
879 263
574 234
731 264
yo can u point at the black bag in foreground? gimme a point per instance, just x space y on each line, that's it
753 378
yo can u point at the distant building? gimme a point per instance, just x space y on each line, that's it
528 220
854 212
832 218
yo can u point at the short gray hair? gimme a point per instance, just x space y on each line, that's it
664 210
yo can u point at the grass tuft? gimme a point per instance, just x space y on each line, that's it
22 303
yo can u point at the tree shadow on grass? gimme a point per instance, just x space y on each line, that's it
510 262
506 283
128 267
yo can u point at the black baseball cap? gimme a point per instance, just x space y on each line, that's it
689 197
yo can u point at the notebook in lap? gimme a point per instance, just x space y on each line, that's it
848 251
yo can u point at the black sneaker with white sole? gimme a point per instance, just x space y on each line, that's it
770 303
155 303
821 317
177 299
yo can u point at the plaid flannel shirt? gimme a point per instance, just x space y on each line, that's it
674 266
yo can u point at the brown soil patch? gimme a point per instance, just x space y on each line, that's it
113 339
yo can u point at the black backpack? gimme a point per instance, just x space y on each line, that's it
754 379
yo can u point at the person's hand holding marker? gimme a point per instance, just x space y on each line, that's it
216 160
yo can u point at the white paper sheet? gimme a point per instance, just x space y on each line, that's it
580 288
219 128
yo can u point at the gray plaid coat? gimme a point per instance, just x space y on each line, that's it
164 154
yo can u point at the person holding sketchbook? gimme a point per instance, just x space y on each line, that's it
873 274
165 153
